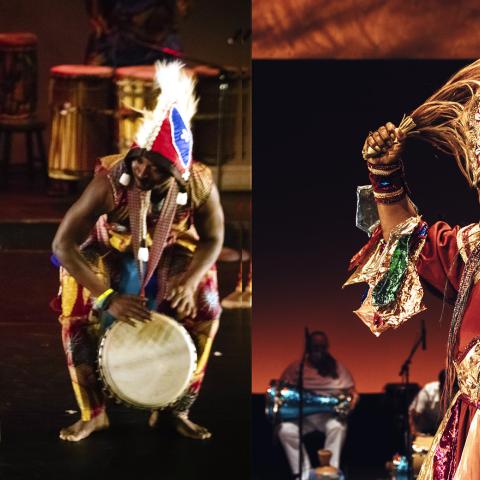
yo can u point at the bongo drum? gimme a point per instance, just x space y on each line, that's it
148 366
18 75
134 90
81 103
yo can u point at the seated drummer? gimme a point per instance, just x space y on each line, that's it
425 411
107 233
323 375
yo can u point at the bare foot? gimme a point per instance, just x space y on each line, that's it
187 428
80 430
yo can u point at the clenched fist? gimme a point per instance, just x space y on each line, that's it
384 145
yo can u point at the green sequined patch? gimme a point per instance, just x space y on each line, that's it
386 289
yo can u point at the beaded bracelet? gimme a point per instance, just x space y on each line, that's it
388 182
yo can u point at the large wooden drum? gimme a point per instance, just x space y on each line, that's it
18 75
134 91
81 103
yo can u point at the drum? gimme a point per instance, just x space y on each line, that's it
149 365
81 103
134 90
18 75
282 402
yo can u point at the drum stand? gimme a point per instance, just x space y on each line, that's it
240 298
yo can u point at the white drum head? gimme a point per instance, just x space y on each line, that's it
149 365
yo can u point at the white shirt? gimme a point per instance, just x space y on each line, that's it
427 406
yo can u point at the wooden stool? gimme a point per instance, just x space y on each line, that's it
32 129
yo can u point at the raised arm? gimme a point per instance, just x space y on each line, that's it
382 151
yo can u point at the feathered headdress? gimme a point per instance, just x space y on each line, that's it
164 136
166 131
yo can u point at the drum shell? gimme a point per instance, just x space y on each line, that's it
82 124
134 89
18 78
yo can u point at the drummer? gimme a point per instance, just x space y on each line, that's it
322 374
152 198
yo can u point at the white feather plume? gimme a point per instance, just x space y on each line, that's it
177 86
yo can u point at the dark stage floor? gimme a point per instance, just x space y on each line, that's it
36 399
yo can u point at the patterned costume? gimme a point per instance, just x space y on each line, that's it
133 33
117 249
108 250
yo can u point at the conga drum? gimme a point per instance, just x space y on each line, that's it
81 104
18 75
134 91
148 366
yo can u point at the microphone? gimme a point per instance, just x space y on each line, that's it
424 336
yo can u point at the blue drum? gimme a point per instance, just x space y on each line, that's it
282 402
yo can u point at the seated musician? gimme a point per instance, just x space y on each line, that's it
322 374
425 410
154 199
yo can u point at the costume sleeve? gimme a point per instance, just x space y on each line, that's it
439 263
200 184
393 269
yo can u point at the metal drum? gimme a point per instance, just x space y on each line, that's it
18 75
149 365
134 90
81 103
282 402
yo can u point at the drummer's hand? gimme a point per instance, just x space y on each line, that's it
182 297
126 307
383 146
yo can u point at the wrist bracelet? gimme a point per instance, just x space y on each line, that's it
388 182
103 301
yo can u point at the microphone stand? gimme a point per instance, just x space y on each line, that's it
405 374
300 405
